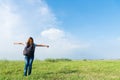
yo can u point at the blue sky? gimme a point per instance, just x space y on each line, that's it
87 18
79 29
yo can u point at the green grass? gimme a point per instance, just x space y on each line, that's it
62 70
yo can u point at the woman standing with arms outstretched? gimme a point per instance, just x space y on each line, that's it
29 54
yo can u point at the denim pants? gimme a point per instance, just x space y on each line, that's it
28 65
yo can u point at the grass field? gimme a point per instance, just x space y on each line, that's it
62 70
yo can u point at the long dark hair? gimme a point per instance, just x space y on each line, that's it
28 42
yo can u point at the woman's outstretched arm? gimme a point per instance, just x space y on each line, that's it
42 45
19 43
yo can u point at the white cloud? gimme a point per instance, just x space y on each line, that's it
61 45
59 37
47 19
53 34
33 2
8 20
15 22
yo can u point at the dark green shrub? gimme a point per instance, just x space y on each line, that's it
57 60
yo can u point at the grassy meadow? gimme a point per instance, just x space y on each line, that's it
62 70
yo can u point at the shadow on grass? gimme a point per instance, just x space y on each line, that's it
68 71
62 72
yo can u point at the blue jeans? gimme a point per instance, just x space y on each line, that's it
28 65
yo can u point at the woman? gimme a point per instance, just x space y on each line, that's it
29 58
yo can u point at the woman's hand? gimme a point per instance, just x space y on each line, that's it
18 43
47 46
42 45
